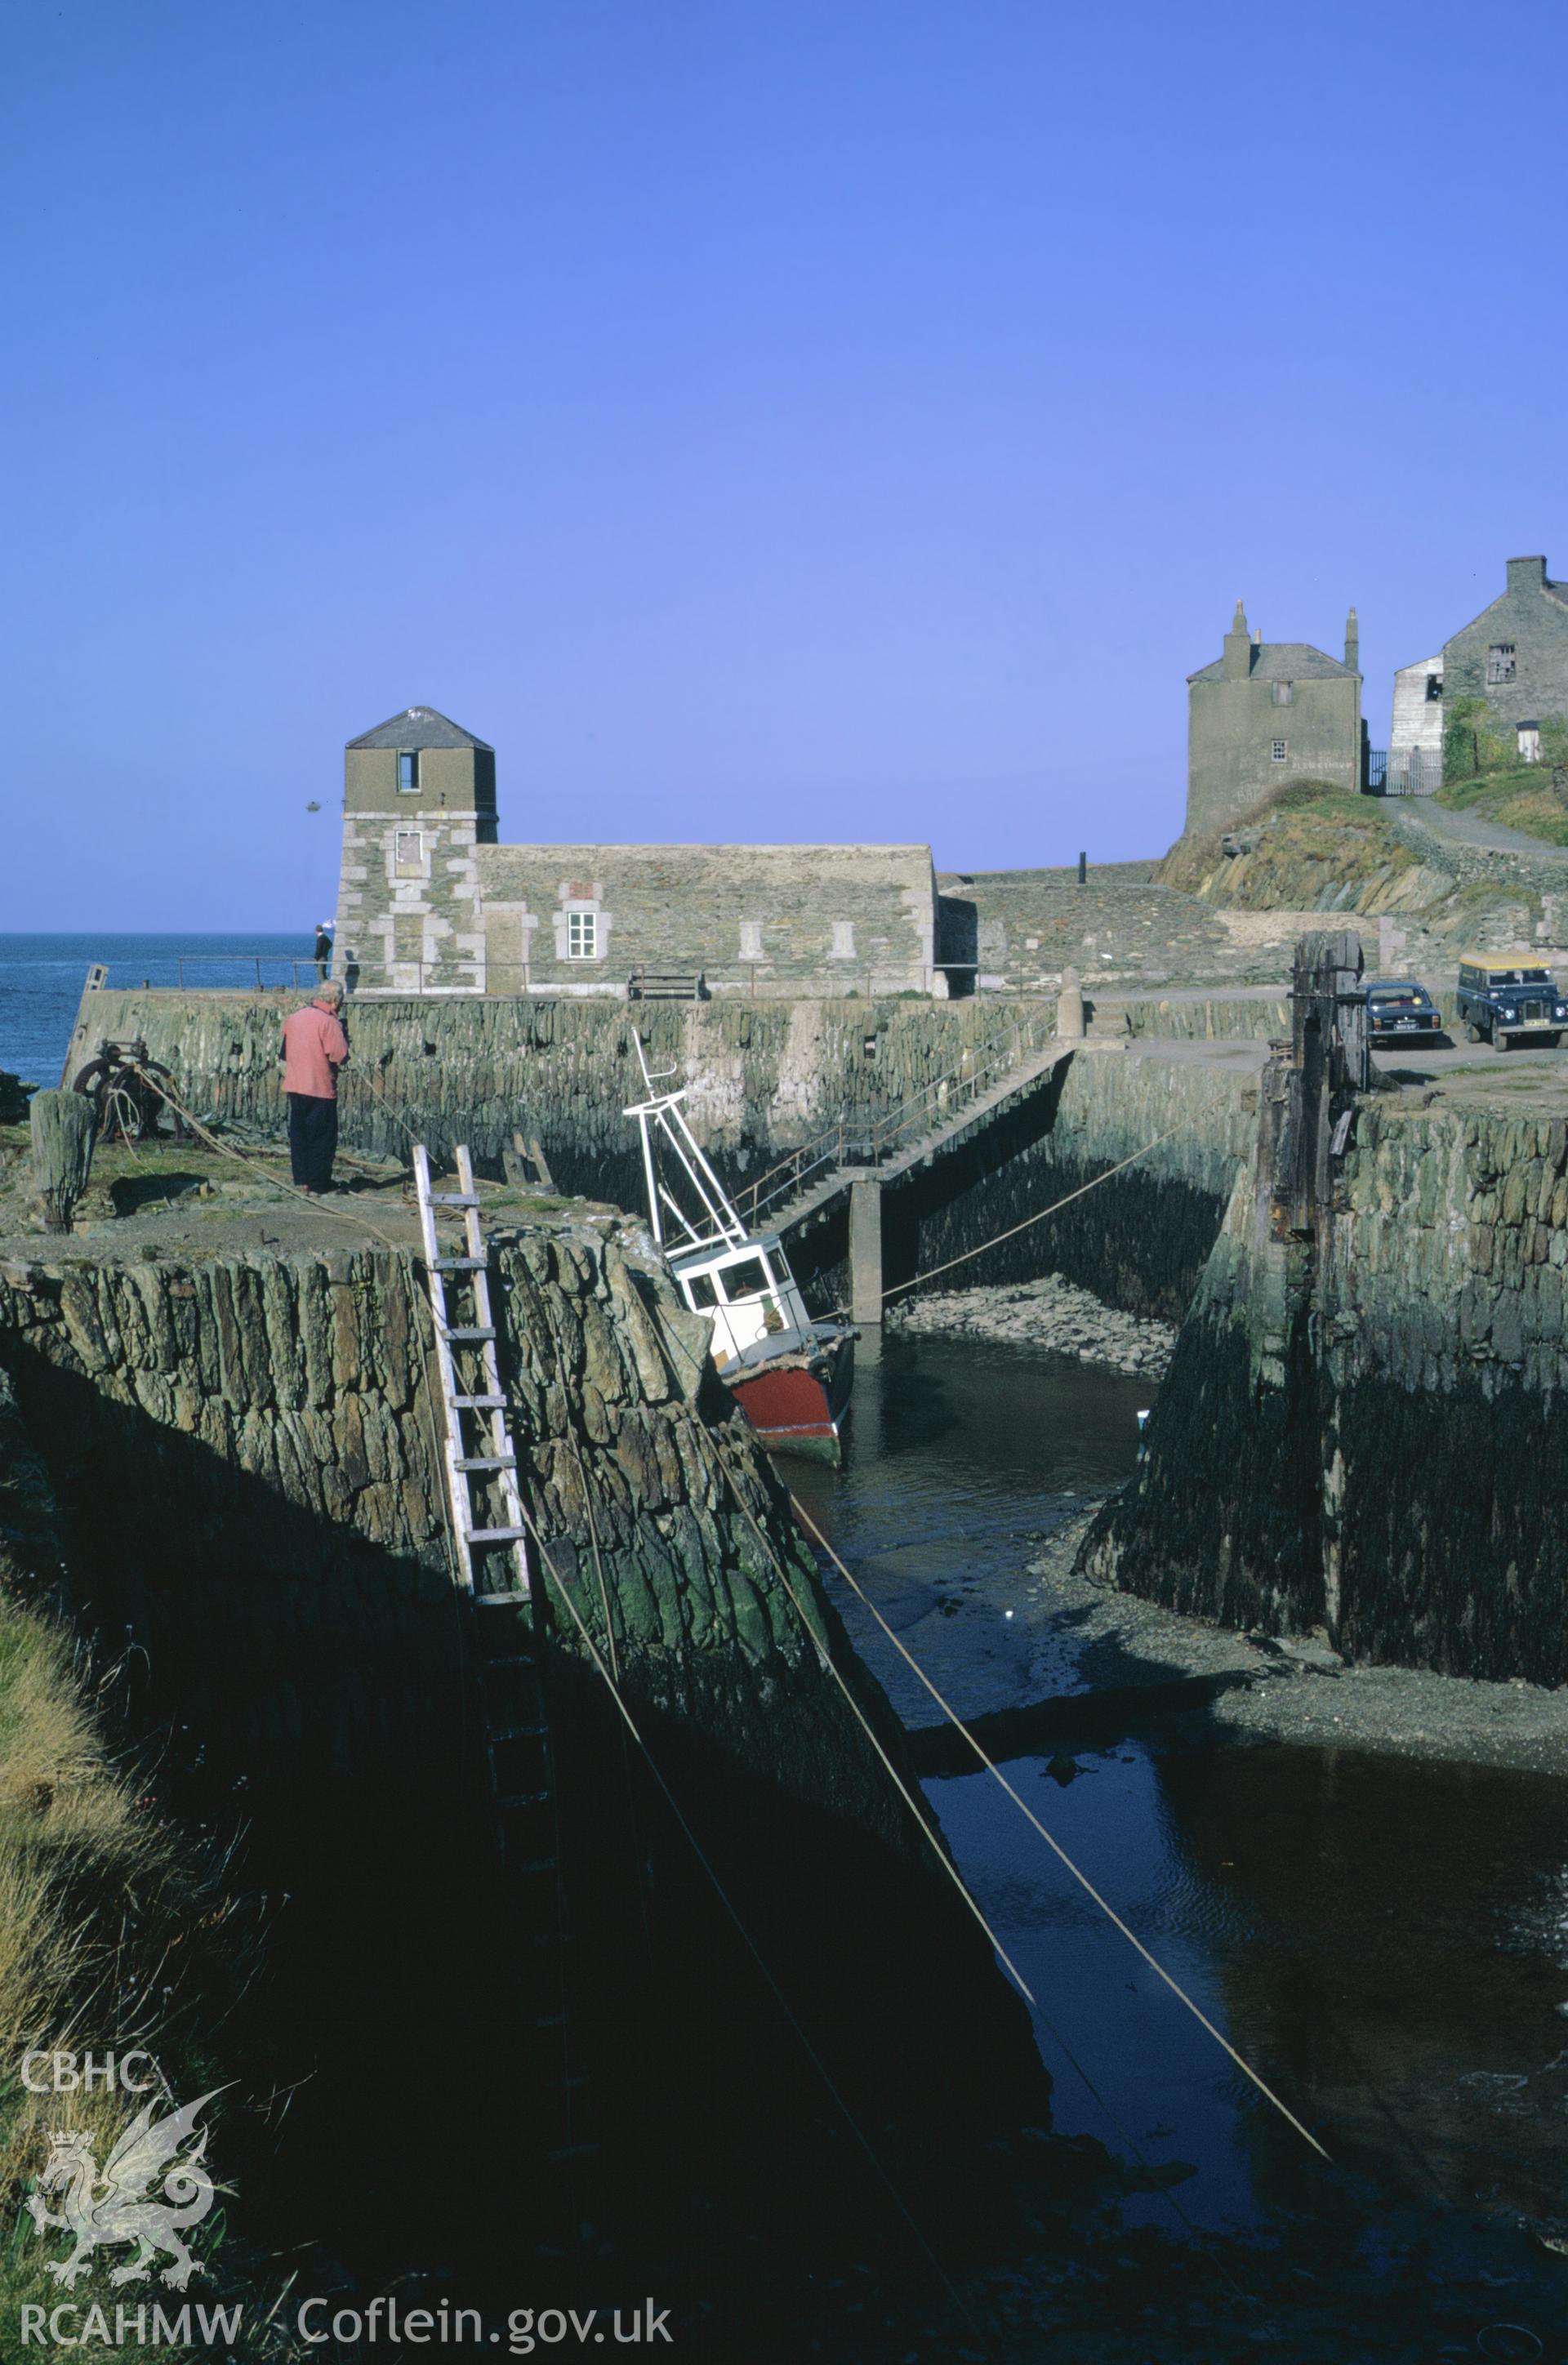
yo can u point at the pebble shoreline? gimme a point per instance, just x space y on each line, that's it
1053 1314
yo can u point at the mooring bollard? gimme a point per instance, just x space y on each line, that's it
62 1153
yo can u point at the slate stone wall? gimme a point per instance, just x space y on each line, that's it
246 1452
760 1080
1023 929
1364 1433
1140 1239
235 1459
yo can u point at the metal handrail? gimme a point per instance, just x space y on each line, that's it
254 962
791 1172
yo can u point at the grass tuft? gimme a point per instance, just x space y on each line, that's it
98 1910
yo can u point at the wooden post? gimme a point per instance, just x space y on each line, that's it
62 1153
1330 1061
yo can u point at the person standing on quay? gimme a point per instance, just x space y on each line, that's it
322 956
314 1048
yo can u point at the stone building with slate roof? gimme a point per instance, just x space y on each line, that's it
1514 655
430 902
1267 714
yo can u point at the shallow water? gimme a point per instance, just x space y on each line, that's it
1387 1941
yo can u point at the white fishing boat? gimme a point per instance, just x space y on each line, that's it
790 1374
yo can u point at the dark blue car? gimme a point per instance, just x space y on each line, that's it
1400 1010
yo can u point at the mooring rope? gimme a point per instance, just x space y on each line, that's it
1118 2125
1040 1214
920 1817
749 1941
1051 1841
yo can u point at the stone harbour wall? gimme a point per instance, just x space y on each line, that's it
760 1078
246 1453
224 1469
1023 929
760 1081
1139 1240
1364 1433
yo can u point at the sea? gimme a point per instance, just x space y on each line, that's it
41 979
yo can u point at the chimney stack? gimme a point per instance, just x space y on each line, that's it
1237 664
1352 642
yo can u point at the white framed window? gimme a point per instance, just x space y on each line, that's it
1277 752
842 940
582 935
1500 661
408 772
751 940
1281 692
409 853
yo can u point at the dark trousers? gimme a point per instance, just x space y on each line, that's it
312 1139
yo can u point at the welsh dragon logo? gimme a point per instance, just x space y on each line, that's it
107 2210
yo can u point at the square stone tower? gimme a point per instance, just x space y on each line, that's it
419 796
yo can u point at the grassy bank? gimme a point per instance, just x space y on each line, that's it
111 1938
1520 799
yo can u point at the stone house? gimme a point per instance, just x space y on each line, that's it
1267 714
1515 656
429 901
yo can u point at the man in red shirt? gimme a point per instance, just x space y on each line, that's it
314 1048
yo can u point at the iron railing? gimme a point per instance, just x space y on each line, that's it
166 972
286 972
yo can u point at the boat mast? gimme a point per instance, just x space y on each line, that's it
664 1110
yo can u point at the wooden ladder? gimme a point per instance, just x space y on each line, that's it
493 1561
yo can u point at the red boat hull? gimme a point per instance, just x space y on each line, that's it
797 1407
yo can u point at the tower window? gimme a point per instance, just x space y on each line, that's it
1282 693
409 853
1277 753
1434 685
582 935
842 940
409 773
751 940
1500 661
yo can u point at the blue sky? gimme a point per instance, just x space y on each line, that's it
824 420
